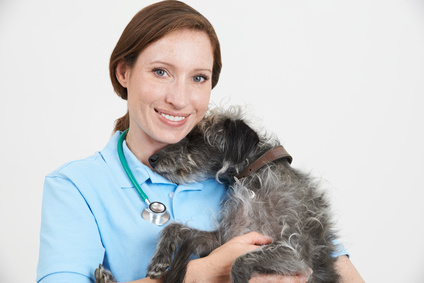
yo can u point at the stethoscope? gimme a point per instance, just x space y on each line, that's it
155 212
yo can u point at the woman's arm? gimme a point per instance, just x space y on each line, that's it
347 270
216 266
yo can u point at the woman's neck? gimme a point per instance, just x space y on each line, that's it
142 147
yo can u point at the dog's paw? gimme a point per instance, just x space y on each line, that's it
156 271
103 276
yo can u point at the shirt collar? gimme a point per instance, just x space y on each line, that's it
141 172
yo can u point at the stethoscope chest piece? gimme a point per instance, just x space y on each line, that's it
156 213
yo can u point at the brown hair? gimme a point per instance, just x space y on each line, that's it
149 25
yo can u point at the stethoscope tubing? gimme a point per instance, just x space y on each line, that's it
155 212
127 168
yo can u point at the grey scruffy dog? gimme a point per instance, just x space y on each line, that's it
275 200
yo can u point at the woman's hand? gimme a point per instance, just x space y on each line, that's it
216 266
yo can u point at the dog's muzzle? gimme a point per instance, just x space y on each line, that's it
153 159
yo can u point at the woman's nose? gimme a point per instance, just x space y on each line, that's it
178 95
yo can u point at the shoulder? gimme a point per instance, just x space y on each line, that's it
91 178
93 165
87 166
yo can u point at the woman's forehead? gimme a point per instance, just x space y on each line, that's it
190 48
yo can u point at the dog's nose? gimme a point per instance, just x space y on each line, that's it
153 159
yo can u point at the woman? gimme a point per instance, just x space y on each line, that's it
165 64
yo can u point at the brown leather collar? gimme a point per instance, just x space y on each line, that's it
269 156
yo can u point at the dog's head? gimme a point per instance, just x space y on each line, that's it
220 146
233 143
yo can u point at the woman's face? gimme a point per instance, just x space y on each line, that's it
168 88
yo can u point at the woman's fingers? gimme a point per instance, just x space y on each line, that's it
254 238
221 259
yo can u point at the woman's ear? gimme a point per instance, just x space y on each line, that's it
122 72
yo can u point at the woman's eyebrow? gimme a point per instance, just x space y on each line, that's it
203 70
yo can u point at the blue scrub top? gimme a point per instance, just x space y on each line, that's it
91 214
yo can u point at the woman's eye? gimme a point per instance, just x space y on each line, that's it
199 79
159 72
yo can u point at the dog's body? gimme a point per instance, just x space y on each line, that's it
276 200
285 205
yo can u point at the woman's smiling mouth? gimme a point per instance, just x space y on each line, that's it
171 117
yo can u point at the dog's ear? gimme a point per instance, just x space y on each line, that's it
240 140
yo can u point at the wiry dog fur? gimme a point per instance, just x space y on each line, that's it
286 205
277 200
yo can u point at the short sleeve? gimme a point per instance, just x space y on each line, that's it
70 243
339 250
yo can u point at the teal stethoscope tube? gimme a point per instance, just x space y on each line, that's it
127 168
155 212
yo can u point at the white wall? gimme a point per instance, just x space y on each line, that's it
340 82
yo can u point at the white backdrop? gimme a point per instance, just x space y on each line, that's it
340 82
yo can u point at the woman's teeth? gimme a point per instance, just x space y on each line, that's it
173 118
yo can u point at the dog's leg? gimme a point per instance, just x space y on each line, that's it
171 237
176 244
103 276
200 244
271 259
